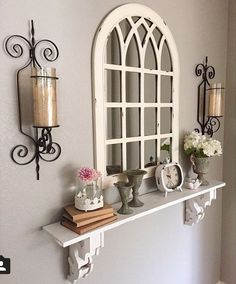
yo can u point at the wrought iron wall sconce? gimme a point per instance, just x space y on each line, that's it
44 100
210 96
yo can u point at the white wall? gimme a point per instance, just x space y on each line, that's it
157 249
229 196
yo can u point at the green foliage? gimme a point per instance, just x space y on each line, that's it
196 152
166 147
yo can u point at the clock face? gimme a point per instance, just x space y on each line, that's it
171 176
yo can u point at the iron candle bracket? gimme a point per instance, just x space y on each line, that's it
208 124
43 145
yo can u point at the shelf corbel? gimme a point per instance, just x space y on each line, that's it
195 207
81 256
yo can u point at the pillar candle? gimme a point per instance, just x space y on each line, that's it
215 105
44 97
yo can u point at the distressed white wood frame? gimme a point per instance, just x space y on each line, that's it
82 248
100 104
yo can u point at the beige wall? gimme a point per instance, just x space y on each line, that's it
156 249
229 196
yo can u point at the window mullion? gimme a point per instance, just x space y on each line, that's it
142 109
123 93
142 120
158 90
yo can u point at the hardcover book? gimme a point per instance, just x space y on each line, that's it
81 230
78 215
86 221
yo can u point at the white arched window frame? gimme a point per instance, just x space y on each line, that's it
100 104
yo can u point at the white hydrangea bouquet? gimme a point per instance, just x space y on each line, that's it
201 146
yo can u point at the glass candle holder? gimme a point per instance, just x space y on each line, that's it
215 106
44 97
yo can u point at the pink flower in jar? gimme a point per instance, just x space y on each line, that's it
87 174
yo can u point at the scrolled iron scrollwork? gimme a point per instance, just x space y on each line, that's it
213 125
210 73
49 53
16 50
48 148
20 152
199 70
207 72
45 141
55 152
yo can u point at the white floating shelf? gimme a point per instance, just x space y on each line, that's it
83 247
153 202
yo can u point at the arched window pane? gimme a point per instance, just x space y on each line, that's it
150 121
150 88
157 35
142 33
132 55
150 57
165 149
114 123
113 90
133 122
166 89
125 28
114 159
113 49
133 155
150 156
132 87
166 62
166 120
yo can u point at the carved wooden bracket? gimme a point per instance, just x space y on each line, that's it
80 256
195 207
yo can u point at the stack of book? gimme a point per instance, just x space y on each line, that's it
82 222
